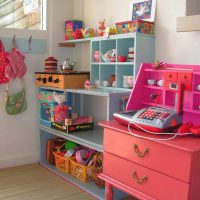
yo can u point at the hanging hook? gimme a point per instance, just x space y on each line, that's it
14 44
29 43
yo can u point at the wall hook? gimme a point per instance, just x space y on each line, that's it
29 43
14 43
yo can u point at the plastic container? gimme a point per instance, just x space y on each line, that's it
83 173
122 58
62 163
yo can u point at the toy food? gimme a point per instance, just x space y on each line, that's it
88 33
122 58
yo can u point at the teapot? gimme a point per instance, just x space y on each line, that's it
109 56
67 64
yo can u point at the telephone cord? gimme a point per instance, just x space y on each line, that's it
154 133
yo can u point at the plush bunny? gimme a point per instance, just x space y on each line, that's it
61 109
101 27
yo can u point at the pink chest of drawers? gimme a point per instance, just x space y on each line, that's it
150 170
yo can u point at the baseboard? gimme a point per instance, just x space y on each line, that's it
21 159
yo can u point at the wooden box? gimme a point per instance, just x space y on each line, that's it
62 80
139 26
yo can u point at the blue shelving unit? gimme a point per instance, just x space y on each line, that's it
144 48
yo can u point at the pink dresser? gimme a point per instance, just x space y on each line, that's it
150 170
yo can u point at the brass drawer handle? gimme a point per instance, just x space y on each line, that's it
140 154
139 180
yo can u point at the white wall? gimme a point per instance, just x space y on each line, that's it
19 135
172 46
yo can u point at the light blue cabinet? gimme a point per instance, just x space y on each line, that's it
144 51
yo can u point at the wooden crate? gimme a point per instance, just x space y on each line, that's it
62 80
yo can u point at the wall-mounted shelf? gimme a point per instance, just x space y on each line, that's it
72 43
188 23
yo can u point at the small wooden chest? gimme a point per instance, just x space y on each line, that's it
64 80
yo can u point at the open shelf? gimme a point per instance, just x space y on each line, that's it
141 46
71 43
90 138
106 91
103 91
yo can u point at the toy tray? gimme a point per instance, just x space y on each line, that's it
72 128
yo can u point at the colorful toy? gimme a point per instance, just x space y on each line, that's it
77 34
109 31
97 56
69 153
135 26
70 145
60 110
46 105
88 32
70 27
84 156
101 27
159 65
109 56
87 84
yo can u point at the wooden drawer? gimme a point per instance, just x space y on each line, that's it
160 157
185 76
155 184
170 76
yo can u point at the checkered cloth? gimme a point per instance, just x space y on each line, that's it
16 67
3 63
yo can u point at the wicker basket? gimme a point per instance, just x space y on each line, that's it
83 173
62 163
97 169
97 180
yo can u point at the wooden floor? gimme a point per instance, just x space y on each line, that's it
33 182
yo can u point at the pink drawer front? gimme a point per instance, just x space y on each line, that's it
157 156
145 180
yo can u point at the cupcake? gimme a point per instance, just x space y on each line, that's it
50 64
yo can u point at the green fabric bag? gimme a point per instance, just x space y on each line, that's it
16 103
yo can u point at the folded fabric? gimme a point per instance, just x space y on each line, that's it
16 66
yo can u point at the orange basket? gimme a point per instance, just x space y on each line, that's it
83 173
62 163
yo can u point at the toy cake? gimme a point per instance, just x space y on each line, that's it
50 64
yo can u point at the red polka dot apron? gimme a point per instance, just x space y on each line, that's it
3 63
